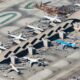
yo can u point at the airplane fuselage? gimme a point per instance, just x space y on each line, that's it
35 28
52 19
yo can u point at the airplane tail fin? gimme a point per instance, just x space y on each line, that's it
20 34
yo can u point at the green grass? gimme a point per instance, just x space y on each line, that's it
3 15
30 5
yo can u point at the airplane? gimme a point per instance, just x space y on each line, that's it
67 44
53 19
16 38
32 61
2 47
35 28
13 68
12 65
77 4
16 69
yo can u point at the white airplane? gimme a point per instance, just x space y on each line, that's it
17 38
35 28
77 4
2 47
14 68
53 19
33 60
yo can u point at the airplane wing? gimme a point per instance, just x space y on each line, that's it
57 20
39 29
35 28
10 70
16 41
46 17
20 35
2 48
14 68
23 39
31 63
30 26
13 36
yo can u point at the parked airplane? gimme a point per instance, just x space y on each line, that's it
18 38
32 61
77 4
13 68
16 69
67 44
53 19
35 28
2 47
13 59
